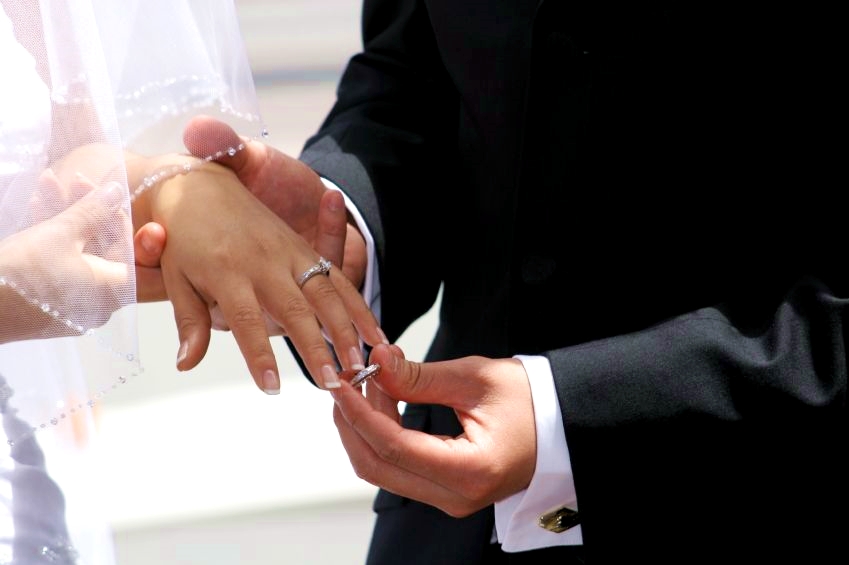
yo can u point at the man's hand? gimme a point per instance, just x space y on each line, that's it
494 457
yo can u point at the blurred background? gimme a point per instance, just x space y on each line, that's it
201 466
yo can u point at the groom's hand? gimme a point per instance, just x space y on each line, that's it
494 457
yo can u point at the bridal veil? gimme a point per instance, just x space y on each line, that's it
111 76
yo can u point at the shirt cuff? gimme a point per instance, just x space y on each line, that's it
552 486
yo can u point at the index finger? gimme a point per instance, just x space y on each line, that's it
381 471
443 460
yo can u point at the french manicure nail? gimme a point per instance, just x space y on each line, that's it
112 194
270 382
329 376
183 352
356 359
383 338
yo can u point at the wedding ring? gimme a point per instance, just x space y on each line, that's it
365 375
320 268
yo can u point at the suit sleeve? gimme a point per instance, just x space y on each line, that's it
733 415
380 145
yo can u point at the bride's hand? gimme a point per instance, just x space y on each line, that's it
329 241
69 272
289 188
226 248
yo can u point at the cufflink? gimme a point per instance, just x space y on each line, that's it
559 520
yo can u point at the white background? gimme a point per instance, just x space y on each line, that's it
202 467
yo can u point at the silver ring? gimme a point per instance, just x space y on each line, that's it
365 375
320 268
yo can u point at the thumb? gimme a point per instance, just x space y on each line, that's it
332 227
205 136
148 244
410 381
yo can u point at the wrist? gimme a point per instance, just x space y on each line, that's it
147 175
180 191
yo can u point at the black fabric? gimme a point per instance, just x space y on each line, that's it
642 192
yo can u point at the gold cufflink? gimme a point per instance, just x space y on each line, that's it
559 520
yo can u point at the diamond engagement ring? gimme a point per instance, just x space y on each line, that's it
320 268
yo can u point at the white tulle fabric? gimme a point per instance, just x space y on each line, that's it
83 82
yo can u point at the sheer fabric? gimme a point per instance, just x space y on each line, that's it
85 82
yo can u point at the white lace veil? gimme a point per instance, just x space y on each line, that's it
94 78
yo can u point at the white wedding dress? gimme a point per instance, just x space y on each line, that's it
126 75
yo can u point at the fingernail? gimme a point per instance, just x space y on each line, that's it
182 352
113 194
356 359
148 244
329 376
48 174
337 204
382 335
270 382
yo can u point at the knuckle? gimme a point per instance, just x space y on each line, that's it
324 291
296 306
246 315
418 379
479 484
187 322
458 509
360 466
319 351
364 470
342 283
336 227
390 452
478 492
222 256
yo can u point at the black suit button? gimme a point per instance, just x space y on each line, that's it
537 270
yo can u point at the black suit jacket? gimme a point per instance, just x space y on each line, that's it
639 192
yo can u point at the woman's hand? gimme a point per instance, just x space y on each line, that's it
69 272
225 248
290 189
